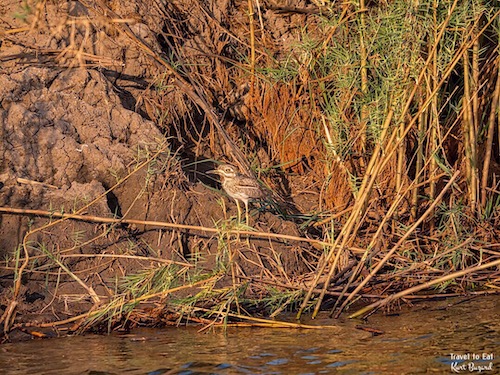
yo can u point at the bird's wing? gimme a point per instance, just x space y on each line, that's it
250 183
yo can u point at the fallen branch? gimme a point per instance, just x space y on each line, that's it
160 224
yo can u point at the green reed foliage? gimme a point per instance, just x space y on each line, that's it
152 280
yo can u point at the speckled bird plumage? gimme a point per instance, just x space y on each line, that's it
238 186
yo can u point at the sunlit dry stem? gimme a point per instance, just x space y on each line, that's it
489 139
470 135
364 74
252 48
433 115
420 159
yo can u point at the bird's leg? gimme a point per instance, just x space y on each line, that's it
239 220
239 211
246 213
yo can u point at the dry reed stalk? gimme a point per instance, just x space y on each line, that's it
4 33
470 135
268 323
423 286
433 113
252 50
489 138
233 278
31 182
475 82
342 20
333 217
364 75
401 158
422 124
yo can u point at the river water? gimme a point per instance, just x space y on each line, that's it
453 336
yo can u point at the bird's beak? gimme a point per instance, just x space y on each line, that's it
214 171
